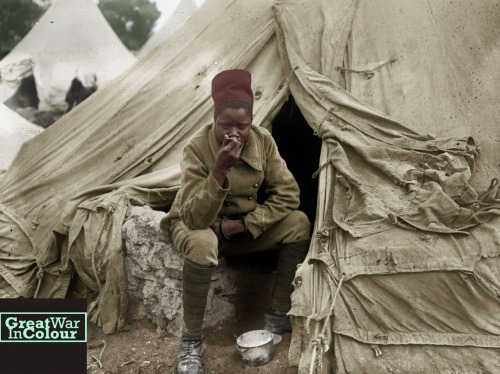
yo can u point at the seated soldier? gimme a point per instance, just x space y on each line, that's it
216 210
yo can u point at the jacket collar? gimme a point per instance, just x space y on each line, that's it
251 153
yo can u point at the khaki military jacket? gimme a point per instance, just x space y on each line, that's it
200 200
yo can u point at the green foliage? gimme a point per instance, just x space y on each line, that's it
16 19
132 20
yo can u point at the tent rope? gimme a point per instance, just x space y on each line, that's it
286 83
314 342
324 232
493 184
393 219
320 342
328 162
322 120
308 322
367 73
39 275
376 350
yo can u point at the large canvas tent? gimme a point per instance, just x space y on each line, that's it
181 14
402 274
71 39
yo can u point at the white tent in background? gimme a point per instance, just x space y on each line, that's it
184 10
72 39
14 131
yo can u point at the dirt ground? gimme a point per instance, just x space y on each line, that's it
147 349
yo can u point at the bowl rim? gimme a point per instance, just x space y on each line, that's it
267 339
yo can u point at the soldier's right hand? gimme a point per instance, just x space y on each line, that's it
228 154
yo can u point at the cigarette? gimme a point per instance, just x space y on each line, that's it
229 140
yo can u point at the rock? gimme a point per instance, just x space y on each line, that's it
154 272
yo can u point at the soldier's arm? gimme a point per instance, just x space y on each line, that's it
202 196
282 191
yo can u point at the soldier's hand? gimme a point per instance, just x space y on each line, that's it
216 228
227 156
232 227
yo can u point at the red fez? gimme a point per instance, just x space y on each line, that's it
232 85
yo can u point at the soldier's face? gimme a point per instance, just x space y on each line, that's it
235 123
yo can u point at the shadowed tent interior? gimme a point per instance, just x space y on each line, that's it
402 274
301 149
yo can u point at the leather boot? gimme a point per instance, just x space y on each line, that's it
277 322
189 360
275 318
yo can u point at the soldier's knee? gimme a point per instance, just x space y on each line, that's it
300 221
202 247
198 246
299 225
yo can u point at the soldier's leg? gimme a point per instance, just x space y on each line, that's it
291 236
200 257
293 228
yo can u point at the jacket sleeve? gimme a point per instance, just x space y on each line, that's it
281 190
202 197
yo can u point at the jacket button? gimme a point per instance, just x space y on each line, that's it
229 193
256 185
227 203
250 198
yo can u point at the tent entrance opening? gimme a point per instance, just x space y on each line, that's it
301 149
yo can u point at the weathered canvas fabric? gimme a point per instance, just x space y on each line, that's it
416 68
402 273
14 131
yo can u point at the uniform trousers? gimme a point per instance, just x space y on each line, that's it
203 247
